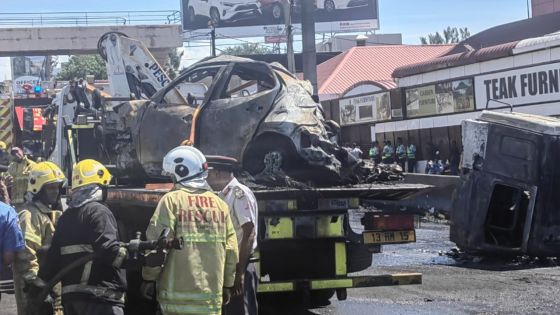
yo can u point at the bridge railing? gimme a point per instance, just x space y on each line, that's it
89 18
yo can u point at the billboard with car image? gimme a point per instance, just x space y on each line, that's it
246 18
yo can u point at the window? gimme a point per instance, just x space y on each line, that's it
247 81
196 84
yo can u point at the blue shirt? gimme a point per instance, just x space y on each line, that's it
11 238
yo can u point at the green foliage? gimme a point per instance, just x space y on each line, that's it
81 65
173 63
451 35
247 49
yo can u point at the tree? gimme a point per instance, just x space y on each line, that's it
450 35
81 65
247 49
173 63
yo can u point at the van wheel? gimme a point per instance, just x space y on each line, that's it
215 17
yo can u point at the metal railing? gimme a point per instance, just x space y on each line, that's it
90 18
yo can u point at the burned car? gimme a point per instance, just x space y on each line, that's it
256 112
507 201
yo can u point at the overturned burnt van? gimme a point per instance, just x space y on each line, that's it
256 112
507 201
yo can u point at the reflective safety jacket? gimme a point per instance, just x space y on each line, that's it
401 151
411 152
374 152
91 228
37 223
388 152
20 172
193 278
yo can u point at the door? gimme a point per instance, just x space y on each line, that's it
228 122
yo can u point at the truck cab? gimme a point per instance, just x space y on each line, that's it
507 199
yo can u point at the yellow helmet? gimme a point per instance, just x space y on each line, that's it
88 172
44 173
3 145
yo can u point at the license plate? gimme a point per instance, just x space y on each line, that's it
389 237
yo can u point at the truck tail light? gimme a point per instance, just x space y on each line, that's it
393 222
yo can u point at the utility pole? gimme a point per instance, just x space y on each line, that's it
309 50
213 40
288 5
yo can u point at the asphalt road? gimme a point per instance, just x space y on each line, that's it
449 287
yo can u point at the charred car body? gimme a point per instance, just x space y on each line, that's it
507 201
257 113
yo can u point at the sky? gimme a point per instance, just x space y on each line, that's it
412 18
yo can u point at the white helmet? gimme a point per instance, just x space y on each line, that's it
185 163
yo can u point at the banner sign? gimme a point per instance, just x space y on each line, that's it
441 98
365 109
524 86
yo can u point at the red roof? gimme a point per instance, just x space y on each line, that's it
371 65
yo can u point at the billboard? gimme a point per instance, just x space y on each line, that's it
442 98
365 109
246 18
27 70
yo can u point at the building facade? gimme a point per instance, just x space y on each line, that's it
541 7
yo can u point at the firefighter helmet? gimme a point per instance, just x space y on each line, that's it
88 172
44 173
184 163
3 145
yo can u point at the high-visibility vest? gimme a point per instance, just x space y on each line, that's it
388 152
401 151
411 152
374 152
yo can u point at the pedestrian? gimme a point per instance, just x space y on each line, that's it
401 153
356 151
454 158
88 227
388 153
199 278
37 220
374 153
17 176
244 216
411 156
11 238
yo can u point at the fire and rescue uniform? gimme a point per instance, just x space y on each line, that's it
20 174
98 287
243 208
192 279
37 222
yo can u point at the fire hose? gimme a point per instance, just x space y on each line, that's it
135 248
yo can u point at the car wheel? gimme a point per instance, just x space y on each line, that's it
329 5
277 12
215 17
270 151
191 16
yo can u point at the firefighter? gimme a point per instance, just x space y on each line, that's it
244 215
401 153
88 227
4 156
17 175
199 278
37 219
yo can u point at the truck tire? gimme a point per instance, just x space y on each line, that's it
358 257
321 297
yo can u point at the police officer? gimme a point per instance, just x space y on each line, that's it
401 153
388 153
88 227
244 213
374 153
411 156
17 176
38 218
199 278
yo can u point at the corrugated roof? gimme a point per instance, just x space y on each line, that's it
371 64
493 43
